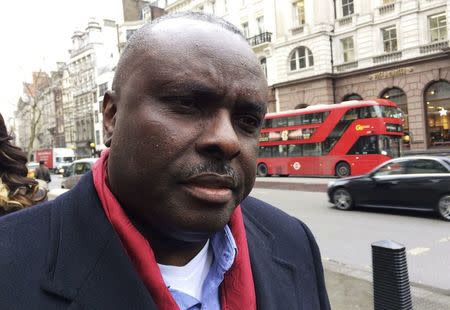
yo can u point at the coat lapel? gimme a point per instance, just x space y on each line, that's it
275 279
87 263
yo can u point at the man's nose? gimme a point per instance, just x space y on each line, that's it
219 139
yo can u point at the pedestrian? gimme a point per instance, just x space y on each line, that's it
17 191
164 220
42 172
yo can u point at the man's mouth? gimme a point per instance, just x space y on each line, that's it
211 188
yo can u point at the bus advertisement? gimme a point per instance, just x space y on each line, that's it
350 138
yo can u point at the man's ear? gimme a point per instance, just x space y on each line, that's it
109 116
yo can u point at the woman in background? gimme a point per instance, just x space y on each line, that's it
17 191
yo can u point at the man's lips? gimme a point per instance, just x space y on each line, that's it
212 188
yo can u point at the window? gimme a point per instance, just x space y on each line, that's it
438 27
389 39
129 33
348 49
97 137
260 23
295 150
225 6
301 58
96 116
263 63
312 149
437 107
425 166
245 30
399 97
365 145
298 9
393 168
265 151
352 97
102 88
347 7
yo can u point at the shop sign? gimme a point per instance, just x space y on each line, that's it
391 73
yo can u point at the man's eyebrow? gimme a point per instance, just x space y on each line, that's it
192 87
257 106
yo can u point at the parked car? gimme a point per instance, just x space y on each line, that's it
419 183
32 169
74 172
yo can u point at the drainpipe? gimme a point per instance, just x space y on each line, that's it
333 82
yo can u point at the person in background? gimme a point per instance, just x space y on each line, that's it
42 172
17 191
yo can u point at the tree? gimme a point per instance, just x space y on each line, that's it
31 106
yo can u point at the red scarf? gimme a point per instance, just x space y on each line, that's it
237 289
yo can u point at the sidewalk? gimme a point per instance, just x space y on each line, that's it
351 289
309 184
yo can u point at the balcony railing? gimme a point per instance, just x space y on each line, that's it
297 29
387 57
433 47
345 20
265 37
389 7
346 66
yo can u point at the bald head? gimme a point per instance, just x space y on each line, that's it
144 38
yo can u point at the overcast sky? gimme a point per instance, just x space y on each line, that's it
37 33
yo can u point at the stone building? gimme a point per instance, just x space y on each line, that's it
329 51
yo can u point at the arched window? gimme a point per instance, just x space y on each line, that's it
263 62
301 58
352 96
399 97
437 107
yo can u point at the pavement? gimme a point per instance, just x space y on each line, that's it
351 288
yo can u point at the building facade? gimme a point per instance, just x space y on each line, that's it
93 49
329 51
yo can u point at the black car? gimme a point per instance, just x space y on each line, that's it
415 183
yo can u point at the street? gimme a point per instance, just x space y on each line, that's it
56 181
346 236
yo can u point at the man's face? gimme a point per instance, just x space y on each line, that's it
185 132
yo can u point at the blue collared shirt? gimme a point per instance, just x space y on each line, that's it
224 250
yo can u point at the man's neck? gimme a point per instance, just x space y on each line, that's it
171 250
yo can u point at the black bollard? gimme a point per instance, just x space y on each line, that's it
391 289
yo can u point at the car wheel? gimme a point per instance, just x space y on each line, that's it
443 207
262 170
342 199
342 169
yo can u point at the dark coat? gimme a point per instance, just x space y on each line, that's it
65 254
43 173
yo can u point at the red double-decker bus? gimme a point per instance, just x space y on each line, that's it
343 139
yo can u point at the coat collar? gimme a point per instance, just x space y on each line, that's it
87 264
276 280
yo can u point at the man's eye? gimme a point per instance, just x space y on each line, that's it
249 123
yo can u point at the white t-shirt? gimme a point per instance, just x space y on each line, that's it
189 278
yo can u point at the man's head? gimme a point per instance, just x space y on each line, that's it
41 162
184 116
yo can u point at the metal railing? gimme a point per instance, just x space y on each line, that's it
265 37
386 8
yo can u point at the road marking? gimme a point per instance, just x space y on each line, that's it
417 251
444 239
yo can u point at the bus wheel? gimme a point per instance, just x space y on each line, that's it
262 170
342 169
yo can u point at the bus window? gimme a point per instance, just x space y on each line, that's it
279 122
312 149
265 151
351 115
267 123
389 145
365 145
280 151
295 150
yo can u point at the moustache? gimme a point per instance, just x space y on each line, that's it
223 169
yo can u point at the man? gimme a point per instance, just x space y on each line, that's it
42 172
163 221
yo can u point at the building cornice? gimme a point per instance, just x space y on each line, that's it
409 62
